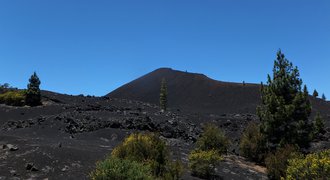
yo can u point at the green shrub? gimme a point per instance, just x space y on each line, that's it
207 155
313 166
148 149
212 139
13 98
203 163
277 162
121 169
252 144
175 170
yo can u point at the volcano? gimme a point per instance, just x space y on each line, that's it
197 93
192 92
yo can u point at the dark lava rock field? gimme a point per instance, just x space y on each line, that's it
64 138
67 135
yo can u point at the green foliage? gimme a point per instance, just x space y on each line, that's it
252 144
323 97
277 162
33 94
313 166
13 98
315 93
285 107
207 155
121 169
150 150
318 124
175 170
203 163
163 95
212 139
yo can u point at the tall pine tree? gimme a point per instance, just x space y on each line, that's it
318 124
315 93
163 95
323 97
33 95
285 107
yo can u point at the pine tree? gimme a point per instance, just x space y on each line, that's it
33 95
285 107
163 95
318 124
323 97
315 93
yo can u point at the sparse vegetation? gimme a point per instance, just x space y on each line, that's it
285 107
313 166
252 144
163 95
278 161
115 168
13 98
33 94
203 163
175 172
212 139
207 155
150 150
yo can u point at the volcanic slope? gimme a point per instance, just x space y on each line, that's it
67 135
199 94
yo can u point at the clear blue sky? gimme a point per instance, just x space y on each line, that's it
93 47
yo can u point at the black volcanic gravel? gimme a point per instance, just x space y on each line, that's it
64 138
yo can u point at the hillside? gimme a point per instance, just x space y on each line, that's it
199 94
192 92
67 135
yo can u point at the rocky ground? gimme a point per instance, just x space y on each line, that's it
64 138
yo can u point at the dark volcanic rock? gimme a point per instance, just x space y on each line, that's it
10 147
68 134
196 93
31 167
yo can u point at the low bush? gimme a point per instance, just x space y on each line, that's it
13 98
207 155
121 169
278 161
252 144
138 147
203 163
313 166
150 150
175 171
212 139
